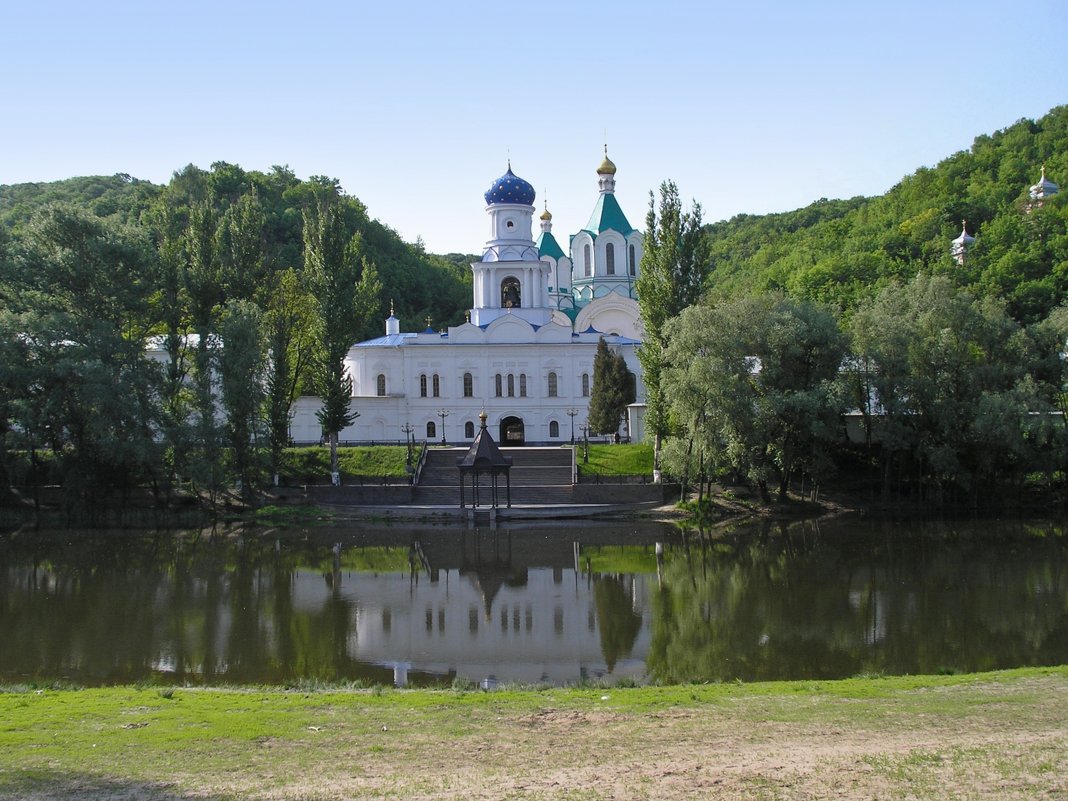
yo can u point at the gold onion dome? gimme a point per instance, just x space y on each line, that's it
546 215
607 166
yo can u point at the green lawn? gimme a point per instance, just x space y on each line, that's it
997 735
303 465
616 460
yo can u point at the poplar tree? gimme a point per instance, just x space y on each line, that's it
673 270
345 289
241 378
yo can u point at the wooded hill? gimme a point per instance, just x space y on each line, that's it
419 284
843 251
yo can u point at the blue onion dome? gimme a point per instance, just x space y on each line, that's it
510 188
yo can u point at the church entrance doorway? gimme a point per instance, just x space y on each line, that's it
512 434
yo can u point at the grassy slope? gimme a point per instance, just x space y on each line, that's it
998 735
616 460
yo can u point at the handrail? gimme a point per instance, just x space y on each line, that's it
419 464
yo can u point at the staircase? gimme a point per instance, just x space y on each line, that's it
538 476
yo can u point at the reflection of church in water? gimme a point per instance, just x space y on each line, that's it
485 604
525 355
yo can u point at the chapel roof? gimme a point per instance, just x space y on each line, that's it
608 216
548 246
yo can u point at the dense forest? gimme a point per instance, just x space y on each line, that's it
844 251
853 314
420 284
288 273
766 335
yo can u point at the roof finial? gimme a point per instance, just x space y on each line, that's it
391 312
428 322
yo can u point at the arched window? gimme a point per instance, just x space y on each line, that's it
431 430
610 258
552 385
554 429
469 386
436 385
469 430
585 385
422 385
510 293
511 385
497 385
522 385
380 385
586 260
631 260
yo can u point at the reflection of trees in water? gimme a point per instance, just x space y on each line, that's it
796 603
206 609
617 621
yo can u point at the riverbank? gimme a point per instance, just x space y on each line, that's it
995 735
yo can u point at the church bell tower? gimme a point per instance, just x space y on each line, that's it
510 278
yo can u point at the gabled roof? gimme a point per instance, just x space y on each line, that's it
548 246
608 216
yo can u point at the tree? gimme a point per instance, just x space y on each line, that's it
752 384
951 374
171 305
613 389
345 289
673 271
290 349
205 288
81 384
241 376
240 245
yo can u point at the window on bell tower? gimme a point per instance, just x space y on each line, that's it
610 259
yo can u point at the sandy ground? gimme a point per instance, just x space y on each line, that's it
1004 741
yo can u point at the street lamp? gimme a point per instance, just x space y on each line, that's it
443 413
407 428
585 428
571 413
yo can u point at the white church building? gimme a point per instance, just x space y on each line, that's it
525 354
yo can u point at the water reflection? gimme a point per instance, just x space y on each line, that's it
381 606
534 604
843 599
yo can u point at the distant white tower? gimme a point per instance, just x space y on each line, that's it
1042 191
959 246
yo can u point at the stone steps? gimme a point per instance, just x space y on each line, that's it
538 476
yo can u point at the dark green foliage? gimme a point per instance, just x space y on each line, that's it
961 395
344 287
241 367
74 373
119 197
673 270
844 251
751 385
613 389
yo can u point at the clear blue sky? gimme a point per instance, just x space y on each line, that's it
415 107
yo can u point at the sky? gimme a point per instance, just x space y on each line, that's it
416 107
